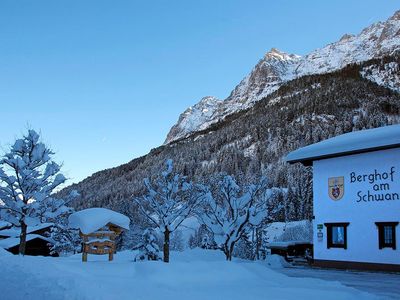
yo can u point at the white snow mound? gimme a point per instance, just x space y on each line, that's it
91 219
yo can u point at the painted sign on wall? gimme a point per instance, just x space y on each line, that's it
377 184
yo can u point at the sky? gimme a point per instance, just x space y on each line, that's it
104 81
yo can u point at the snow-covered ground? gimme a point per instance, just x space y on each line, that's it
193 274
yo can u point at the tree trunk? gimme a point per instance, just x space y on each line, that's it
231 251
228 250
22 238
228 256
258 243
166 245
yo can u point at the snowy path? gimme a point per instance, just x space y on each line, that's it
191 275
384 285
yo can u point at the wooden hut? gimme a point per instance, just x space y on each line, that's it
36 241
98 228
35 245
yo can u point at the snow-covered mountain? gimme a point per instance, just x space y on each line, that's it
266 77
277 67
196 117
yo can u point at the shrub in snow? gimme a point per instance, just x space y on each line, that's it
65 240
176 241
192 242
138 223
202 238
244 248
28 178
148 249
231 209
130 238
205 244
169 200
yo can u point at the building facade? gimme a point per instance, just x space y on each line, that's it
356 195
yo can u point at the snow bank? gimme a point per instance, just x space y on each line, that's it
361 141
4 252
276 261
91 219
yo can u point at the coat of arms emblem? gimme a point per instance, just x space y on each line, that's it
336 188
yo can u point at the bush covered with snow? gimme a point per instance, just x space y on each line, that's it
148 249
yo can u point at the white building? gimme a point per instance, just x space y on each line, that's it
356 192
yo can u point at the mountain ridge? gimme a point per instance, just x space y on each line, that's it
254 141
277 67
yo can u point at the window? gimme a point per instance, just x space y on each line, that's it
336 234
387 234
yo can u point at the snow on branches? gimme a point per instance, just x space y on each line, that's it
148 248
229 211
169 200
28 177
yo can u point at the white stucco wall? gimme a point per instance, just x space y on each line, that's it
362 233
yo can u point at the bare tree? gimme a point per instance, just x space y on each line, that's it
169 200
230 210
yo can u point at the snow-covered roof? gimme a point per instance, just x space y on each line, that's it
14 241
91 219
4 224
16 231
350 143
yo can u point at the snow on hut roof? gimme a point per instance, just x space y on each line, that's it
4 224
14 241
91 219
346 144
14 231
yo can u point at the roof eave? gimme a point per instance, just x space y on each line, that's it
308 161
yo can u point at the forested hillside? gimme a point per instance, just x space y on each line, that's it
254 142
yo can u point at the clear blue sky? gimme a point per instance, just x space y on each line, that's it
105 80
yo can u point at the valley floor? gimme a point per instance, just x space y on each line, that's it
193 274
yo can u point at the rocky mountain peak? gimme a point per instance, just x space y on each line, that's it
280 55
346 37
208 100
395 17
277 67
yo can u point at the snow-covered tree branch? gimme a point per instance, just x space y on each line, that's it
169 200
230 210
28 177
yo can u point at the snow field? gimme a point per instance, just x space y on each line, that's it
193 274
